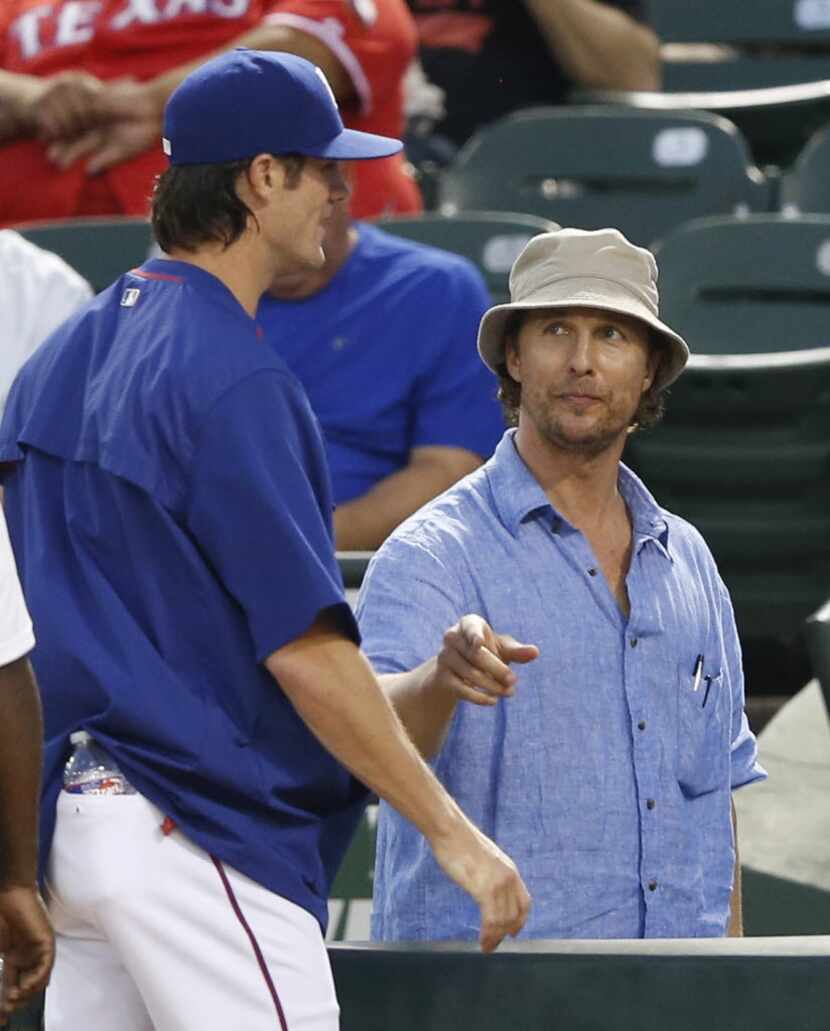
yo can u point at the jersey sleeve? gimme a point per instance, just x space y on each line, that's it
374 40
454 401
16 637
260 509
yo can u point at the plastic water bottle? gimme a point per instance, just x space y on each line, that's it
91 771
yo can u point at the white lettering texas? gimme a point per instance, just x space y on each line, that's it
74 21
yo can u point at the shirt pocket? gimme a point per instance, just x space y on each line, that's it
702 755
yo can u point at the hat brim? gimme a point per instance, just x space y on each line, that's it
492 326
353 145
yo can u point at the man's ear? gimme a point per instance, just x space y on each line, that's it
512 358
264 174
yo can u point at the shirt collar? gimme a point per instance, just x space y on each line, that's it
517 495
185 272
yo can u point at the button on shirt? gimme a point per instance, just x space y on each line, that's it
605 777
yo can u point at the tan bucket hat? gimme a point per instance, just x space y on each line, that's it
570 268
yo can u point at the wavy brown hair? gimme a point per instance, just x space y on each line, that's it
197 204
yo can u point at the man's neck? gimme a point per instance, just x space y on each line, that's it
246 268
296 286
582 487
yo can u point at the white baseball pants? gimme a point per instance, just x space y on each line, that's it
153 934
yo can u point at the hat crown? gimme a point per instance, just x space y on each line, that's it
247 102
604 256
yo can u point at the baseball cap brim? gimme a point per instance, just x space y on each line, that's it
352 145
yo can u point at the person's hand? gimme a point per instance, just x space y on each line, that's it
27 945
479 866
473 662
66 105
129 122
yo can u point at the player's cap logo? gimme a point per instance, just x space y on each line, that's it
129 297
323 79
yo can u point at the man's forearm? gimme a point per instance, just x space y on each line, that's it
365 523
16 93
21 748
424 708
333 689
597 45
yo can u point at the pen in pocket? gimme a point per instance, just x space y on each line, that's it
696 673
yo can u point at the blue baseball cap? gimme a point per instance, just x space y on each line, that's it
248 102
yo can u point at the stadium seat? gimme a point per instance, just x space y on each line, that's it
739 71
818 643
808 187
350 904
794 22
100 249
775 121
758 284
744 449
492 240
644 172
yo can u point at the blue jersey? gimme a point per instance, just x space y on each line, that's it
387 355
170 510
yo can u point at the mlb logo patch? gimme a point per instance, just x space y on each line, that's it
129 297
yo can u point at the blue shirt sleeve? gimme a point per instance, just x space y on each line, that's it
408 599
745 768
260 509
454 401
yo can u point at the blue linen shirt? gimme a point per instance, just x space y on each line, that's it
170 510
386 353
605 777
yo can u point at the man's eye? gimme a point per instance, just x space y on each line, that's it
557 328
612 333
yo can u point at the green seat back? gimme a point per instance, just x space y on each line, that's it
748 285
350 904
744 72
492 240
744 454
795 22
99 249
811 175
590 167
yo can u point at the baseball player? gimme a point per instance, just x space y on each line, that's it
171 511
26 941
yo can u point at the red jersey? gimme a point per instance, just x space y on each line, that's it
373 39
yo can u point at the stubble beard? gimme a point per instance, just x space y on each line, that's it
599 434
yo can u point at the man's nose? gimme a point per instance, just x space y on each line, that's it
340 185
582 354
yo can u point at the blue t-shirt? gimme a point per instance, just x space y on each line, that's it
170 510
387 355
607 776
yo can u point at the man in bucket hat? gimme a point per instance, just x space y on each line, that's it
606 766
171 512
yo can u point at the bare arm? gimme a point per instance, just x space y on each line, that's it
126 117
335 692
17 92
599 46
365 523
736 914
25 935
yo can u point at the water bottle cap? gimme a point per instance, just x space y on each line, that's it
80 737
